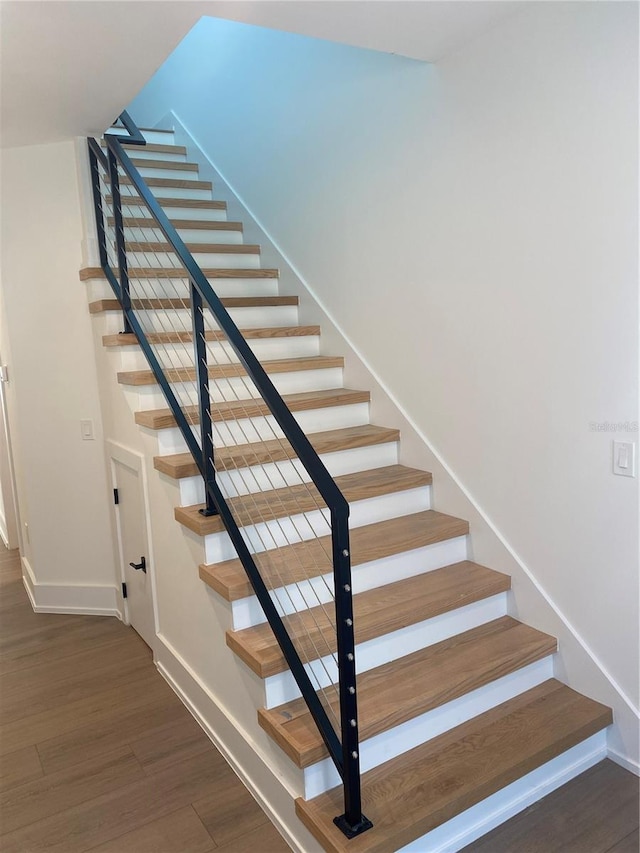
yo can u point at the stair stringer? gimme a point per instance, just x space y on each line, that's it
575 663
190 649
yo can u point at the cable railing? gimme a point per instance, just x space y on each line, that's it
259 474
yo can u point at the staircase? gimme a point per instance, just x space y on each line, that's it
459 713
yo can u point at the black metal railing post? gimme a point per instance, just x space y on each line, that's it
204 399
97 208
125 294
352 822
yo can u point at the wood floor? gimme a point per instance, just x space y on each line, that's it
595 813
97 753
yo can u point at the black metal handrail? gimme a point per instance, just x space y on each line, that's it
344 750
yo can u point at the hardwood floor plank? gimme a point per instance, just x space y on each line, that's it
104 818
21 621
10 566
120 651
629 844
59 641
52 794
179 740
41 697
69 776
90 710
19 767
267 839
229 813
590 814
177 832
12 595
124 725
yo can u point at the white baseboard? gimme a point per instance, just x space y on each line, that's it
70 598
624 761
236 745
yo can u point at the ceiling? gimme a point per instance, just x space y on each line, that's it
68 67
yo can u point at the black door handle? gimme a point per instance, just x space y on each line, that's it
142 565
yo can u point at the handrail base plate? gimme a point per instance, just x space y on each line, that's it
352 830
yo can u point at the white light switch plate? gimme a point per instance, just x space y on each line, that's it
624 458
86 430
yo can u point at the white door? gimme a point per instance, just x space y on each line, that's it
128 480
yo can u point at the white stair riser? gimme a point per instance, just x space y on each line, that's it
323 673
476 821
244 318
296 528
188 235
111 321
159 137
177 288
239 388
389 744
265 349
143 153
288 473
98 288
247 611
168 192
202 214
205 260
155 137
263 428
156 172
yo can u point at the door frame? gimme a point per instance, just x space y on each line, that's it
134 460
7 471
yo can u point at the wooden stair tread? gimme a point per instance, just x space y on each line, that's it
214 248
180 465
303 560
378 611
178 183
427 786
404 688
168 303
163 418
292 500
191 224
199 203
146 163
174 274
129 339
232 369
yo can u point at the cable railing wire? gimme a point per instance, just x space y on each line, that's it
152 258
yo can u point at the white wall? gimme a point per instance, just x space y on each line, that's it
46 341
472 228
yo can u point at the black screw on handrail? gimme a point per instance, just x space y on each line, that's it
344 751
